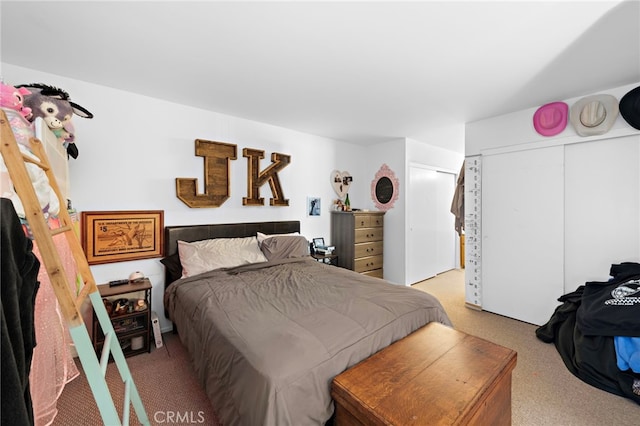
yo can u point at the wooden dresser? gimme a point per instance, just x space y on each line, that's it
434 376
359 240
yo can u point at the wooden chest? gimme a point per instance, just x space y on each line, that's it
434 376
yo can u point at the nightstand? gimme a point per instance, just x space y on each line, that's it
133 324
331 259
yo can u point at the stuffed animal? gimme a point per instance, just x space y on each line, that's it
13 98
56 109
23 132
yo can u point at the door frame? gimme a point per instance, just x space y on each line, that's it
409 214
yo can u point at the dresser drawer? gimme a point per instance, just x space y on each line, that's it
376 273
375 221
368 249
365 264
366 221
358 238
366 235
361 221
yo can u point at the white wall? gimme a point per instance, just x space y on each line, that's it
515 131
555 211
392 154
135 146
399 154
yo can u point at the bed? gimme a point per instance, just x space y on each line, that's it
266 338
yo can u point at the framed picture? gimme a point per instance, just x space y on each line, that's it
118 236
313 206
318 242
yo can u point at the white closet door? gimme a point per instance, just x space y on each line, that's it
522 233
431 234
602 209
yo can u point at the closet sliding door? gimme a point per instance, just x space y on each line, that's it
602 208
522 233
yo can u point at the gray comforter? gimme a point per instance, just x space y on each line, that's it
267 339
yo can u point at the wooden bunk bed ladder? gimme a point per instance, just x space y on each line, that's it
95 370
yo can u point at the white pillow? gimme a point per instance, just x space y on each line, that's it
207 255
262 237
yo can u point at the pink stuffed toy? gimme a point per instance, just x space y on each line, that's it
13 98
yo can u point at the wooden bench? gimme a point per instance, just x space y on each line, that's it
434 376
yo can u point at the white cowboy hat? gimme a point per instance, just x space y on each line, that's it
594 115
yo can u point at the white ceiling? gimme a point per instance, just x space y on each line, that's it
362 72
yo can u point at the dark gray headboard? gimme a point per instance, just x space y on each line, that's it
192 233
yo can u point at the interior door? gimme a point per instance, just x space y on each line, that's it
432 237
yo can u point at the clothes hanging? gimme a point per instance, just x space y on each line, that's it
457 204
19 267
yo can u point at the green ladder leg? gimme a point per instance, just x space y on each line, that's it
95 371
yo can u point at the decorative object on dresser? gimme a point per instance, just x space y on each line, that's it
452 378
341 181
385 188
358 238
130 316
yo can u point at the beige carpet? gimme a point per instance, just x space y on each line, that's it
167 384
544 392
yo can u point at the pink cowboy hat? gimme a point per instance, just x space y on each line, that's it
551 119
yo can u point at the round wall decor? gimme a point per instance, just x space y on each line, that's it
384 188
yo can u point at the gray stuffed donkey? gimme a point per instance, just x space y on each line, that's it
56 109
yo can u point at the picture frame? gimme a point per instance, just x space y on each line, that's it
118 236
318 242
384 188
313 206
